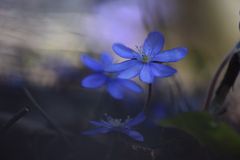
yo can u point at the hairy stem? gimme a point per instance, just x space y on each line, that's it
45 115
149 95
15 118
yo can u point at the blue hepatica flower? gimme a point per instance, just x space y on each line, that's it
117 87
147 61
117 125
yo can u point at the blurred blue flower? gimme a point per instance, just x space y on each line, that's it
117 87
117 125
147 62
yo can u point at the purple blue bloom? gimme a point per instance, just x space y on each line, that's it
147 61
117 87
117 125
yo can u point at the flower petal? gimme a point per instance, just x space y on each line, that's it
171 55
153 43
120 66
134 134
96 131
136 120
94 81
123 51
146 74
130 85
131 72
115 90
106 59
160 70
91 63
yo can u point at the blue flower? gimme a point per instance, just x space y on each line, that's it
117 125
147 62
117 87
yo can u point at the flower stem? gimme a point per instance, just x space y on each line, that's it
46 116
149 95
115 147
15 118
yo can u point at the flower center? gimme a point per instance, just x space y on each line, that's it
145 58
110 75
116 122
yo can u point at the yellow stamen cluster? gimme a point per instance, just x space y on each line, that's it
145 58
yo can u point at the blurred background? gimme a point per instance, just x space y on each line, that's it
40 46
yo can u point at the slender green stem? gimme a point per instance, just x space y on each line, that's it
15 118
115 147
149 95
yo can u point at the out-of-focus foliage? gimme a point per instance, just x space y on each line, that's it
219 136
